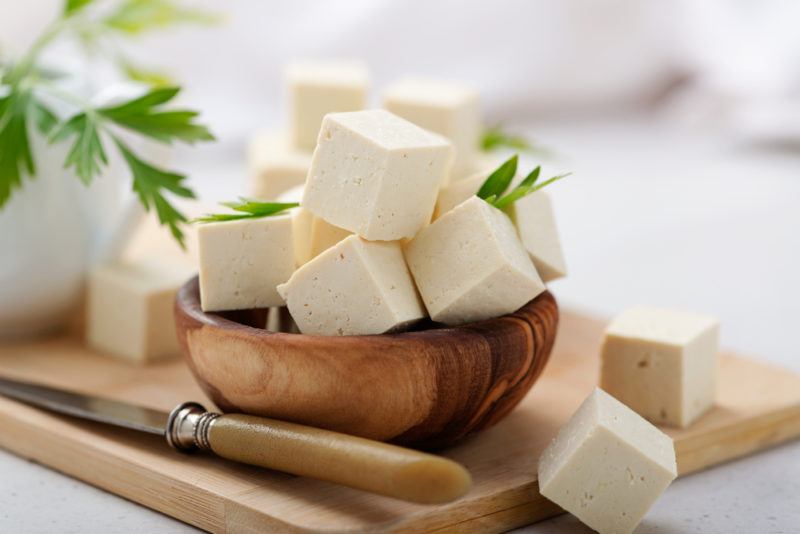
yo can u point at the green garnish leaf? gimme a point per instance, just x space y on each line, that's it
248 209
87 154
498 181
531 178
143 116
137 73
144 103
524 190
137 16
495 138
15 151
72 6
150 184
44 117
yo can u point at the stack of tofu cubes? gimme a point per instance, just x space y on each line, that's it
364 253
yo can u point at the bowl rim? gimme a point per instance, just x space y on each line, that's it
187 302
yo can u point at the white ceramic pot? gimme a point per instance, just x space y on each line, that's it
54 230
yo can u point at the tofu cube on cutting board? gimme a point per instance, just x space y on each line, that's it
356 287
242 262
275 166
317 88
470 265
662 363
448 109
607 465
312 235
129 311
532 216
375 174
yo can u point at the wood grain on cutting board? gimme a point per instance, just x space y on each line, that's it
759 406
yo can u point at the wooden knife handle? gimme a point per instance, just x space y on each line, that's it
356 462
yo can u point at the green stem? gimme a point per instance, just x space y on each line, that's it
22 69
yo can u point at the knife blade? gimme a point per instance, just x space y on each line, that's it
86 407
301 450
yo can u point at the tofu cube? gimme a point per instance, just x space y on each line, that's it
607 466
242 262
448 109
455 193
535 221
470 265
532 216
312 235
662 363
275 166
376 174
129 308
356 287
317 88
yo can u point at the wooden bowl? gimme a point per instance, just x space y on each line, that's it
426 388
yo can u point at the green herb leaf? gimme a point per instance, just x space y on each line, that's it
15 151
141 115
144 75
150 184
495 138
87 154
531 178
72 6
43 116
142 104
498 181
248 209
524 190
137 16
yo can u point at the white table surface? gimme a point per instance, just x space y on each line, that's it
655 214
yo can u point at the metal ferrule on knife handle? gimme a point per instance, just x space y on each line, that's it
188 427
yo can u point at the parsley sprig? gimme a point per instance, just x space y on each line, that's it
24 83
497 183
247 209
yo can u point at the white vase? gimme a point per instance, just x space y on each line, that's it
53 230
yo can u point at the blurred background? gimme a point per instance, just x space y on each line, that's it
680 120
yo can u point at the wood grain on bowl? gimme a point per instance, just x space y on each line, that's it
427 388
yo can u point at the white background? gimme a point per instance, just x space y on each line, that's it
680 123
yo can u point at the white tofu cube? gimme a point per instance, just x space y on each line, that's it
241 262
129 311
470 265
275 166
607 466
532 216
535 221
662 363
448 109
455 193
357 287
376 174
317 88
312 235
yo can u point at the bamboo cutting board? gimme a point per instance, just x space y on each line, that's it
758 406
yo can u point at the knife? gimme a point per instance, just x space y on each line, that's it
301 450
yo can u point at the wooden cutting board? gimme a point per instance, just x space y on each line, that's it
758 406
